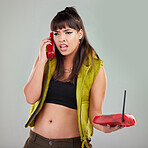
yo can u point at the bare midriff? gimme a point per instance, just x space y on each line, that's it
56 122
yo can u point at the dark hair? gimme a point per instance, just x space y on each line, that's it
70 17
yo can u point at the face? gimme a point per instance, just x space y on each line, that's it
67 40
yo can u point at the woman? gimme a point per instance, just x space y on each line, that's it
66 92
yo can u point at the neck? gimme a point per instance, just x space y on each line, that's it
68 62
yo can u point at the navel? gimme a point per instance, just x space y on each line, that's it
50 121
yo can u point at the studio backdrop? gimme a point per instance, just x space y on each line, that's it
117 29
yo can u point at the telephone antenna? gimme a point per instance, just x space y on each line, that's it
123 106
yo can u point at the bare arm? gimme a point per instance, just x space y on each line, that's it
96 101
33 88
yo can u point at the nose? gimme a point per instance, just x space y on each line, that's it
62 38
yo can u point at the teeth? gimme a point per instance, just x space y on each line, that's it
62 46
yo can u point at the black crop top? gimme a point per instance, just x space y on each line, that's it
63 93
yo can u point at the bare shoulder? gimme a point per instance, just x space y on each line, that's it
98 89
100 78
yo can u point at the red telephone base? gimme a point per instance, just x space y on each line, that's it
115 119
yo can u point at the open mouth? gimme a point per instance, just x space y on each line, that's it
63 47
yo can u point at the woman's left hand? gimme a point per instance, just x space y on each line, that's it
108 129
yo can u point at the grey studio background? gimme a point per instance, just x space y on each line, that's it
117 29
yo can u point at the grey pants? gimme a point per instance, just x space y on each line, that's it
37 141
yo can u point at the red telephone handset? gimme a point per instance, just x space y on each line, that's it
50 48
125 120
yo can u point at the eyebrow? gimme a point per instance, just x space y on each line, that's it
64 30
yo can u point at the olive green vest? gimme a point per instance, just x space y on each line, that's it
86 76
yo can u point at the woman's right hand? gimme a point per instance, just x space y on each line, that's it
42 51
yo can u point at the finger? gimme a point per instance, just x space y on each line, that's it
117 127
49 42
121 126
45 45
108 126
45 40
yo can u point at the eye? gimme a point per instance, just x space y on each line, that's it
56 33
69 32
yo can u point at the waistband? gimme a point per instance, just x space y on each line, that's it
36 138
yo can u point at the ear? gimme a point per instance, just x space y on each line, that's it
80 34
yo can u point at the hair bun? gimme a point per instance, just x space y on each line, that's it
71 10
67 9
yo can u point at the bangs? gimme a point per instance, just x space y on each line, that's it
61 20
